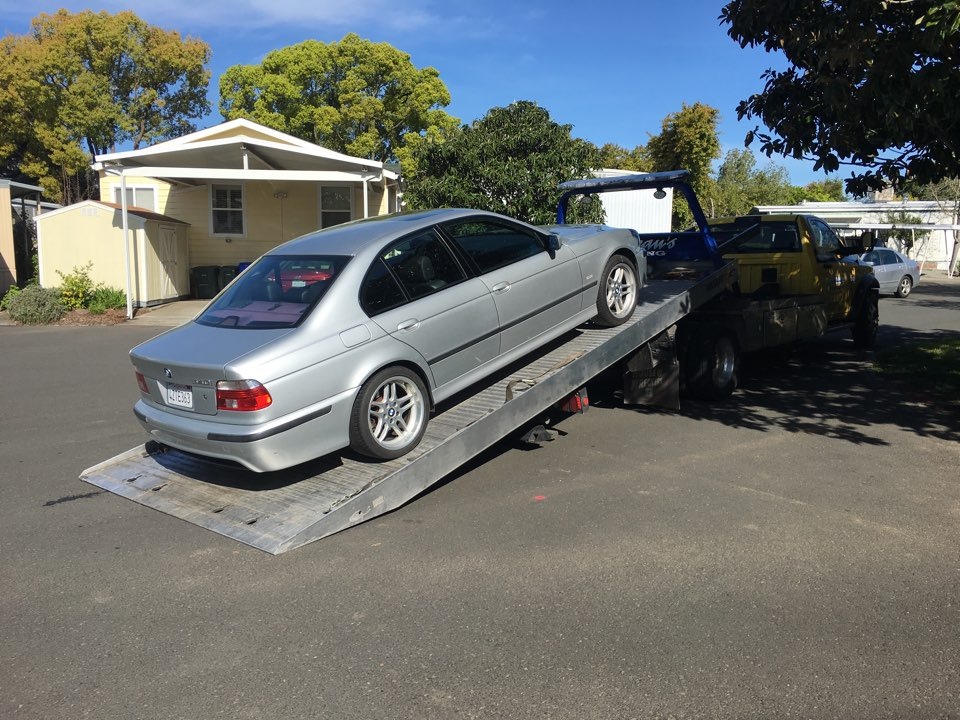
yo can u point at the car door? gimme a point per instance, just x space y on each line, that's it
892 269
837 278
534 288
420 294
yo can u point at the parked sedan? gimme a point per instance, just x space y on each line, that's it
896 273
350 335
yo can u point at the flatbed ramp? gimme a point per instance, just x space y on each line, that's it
276 512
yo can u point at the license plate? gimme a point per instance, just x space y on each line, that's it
180 396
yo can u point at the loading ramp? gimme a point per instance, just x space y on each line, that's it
277 512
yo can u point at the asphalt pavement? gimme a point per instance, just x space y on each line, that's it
793 552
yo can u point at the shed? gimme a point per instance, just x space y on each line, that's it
92 232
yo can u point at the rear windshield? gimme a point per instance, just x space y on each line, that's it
277 291
749 235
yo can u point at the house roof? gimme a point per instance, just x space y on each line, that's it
240 146
135 212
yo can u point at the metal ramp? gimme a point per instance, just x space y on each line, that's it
276 512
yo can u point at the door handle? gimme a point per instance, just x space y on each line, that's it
408 325
501 287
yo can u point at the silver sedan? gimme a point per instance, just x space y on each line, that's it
896 273
349 336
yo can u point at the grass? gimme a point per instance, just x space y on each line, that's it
935 363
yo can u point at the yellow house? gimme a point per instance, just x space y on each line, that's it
240 189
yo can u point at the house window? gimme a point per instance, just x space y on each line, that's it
227 209
336 205
141 197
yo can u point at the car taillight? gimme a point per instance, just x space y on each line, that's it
242 395
142 383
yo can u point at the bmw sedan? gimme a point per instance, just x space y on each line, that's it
895 272
348 337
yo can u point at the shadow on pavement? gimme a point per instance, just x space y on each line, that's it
828 388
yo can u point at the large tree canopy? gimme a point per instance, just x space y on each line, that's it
510 161
353 96
80 84
873 84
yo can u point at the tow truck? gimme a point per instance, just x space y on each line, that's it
281 511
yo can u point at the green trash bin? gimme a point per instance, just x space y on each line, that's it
226 275
204 281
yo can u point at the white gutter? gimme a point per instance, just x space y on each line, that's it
238 174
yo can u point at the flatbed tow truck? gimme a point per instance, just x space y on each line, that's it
280 511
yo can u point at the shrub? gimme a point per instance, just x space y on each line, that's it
11 294
106 298
77 287
35 305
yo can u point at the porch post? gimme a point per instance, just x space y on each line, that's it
126 242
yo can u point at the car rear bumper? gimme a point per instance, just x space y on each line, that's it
265 447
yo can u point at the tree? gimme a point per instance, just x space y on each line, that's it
613 156
511 161
79 84
872 84
740 186
818 191
688 140
904 239
946 193
354 96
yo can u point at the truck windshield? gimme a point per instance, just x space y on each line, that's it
277 291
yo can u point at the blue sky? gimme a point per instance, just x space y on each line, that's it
611 69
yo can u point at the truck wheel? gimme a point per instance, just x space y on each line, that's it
711 363
904 286
617 296
389 415
867 322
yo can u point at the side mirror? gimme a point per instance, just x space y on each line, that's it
554 242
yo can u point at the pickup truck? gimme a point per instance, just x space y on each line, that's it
792 286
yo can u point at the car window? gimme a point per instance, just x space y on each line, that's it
872 257
761 238
380 290
825 239
492 245
887 257
277 291
409 269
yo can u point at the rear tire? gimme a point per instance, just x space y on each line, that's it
904 286
390 414
711 363
865 326
617 296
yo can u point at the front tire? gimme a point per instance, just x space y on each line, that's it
617 296
904 286
868 320
389 415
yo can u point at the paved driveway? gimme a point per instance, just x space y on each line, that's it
792 553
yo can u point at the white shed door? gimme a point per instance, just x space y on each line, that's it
167 251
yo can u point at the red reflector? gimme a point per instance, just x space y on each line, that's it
579 402
142 383
242 395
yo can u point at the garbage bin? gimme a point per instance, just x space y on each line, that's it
204 281
226 274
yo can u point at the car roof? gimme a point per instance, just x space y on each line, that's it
352 237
